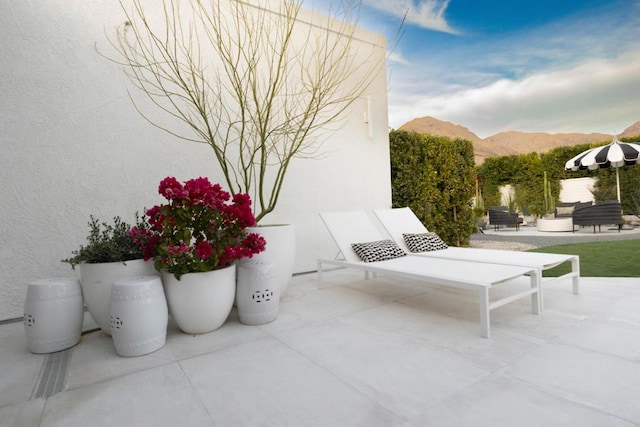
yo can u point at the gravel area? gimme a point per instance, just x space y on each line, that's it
496 244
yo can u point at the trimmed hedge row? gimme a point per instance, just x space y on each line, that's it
435 177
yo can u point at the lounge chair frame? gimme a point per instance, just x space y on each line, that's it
353 227
397 221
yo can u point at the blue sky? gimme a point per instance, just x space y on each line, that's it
498 65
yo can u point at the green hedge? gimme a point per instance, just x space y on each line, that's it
525 173
435 177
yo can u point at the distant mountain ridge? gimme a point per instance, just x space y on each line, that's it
510 142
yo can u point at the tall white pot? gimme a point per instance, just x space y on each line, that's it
200 302
280 251
97 280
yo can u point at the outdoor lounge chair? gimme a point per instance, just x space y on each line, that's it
398 221
356 227
500 215
608 213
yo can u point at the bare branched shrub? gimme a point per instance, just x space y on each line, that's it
261 82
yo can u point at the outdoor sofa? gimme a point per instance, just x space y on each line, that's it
607 213
500 215
566 209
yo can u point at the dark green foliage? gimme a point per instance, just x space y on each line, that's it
435 177
526 173
108 243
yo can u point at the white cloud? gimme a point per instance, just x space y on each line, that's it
398 58
595 96
427 14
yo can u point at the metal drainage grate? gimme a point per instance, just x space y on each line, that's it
53 375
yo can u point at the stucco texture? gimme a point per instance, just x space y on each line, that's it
74 146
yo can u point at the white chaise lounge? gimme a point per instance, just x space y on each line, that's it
398 221
356 227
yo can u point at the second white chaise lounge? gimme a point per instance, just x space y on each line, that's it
398 221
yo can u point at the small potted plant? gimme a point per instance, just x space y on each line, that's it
110 254
195 239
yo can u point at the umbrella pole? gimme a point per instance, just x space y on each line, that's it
618 185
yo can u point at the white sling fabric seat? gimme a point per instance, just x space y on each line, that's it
397 221
356 227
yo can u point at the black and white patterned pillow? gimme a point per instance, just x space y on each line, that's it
378 251
424 242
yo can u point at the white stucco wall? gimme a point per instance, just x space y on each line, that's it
73 145
577 189
507 193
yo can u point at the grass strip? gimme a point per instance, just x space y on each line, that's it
612 258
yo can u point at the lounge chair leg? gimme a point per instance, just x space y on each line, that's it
536 298
575 269
484 313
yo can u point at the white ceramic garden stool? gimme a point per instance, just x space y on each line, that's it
257 293
138 315
53 314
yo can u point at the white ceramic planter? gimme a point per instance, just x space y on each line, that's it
257 293
138 315
280 251
53 314
200 302
97 279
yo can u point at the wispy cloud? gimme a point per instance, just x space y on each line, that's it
398 58
429 14
591 97
579 74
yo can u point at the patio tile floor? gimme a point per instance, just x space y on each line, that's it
357 352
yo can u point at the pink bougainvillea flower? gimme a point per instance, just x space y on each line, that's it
182 248
200 228
254 243
204 250
171 189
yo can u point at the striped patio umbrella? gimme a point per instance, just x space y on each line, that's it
614 155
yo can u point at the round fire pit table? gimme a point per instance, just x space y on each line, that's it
555 224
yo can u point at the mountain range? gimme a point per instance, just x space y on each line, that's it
510 142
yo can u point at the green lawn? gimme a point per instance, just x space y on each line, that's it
613 258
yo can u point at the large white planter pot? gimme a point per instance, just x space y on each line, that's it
97 280
280 251
200 302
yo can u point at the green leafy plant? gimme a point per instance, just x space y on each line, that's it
549 200
512 205
434 176
479 206
108 243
